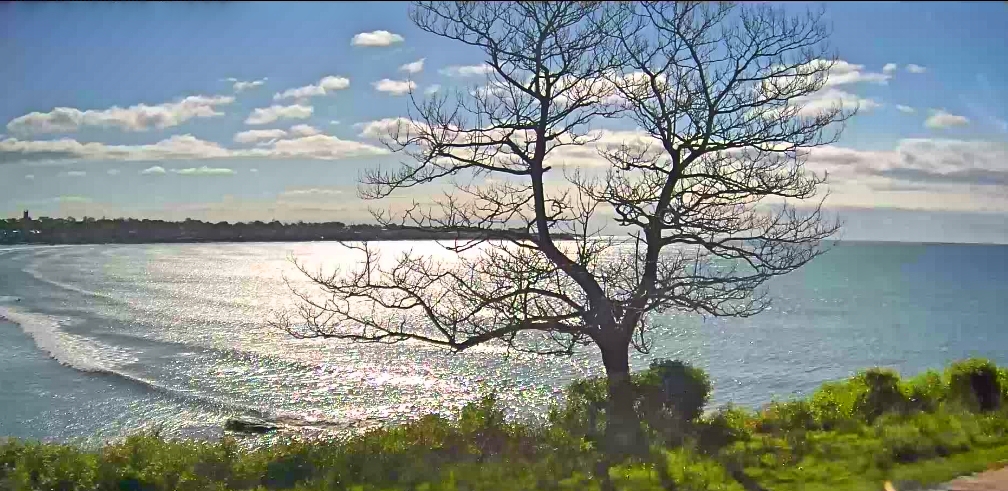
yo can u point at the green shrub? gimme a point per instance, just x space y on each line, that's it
882 394
974 384
784 417
835 405
669 396
727 425
925 392
673 388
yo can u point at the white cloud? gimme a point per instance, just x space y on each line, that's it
432 89
112 172
326 85
204 171
316 147
466 70
265 115
185 147
72 199
394 87
415 67
139 117
912 68
30 177
905 109
376 38
382 127
74 173
843 72
889 68
253 136
157 169
312 192
303 130
941 119
254 170
334 122
832 97
241 85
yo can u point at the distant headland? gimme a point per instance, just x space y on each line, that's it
45 230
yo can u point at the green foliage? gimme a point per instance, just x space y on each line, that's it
850 434
669 398
975 384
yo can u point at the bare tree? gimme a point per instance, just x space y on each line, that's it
721 91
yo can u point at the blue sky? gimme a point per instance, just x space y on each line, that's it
144 109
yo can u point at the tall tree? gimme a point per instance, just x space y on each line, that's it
722 92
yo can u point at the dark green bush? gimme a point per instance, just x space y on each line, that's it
881 394
925 392
669 397
975 384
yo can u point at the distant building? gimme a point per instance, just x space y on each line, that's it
26 218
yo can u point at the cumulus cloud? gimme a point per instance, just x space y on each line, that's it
72 199
843 72
376 38
204 171
253 136
832 97
157 169
432 89
312 192
30 177
889 68
74 173
243 85
912 68
941 119
140 117
394 87
184 147
466 70
326 85
316 147
382 127
924 161
266 115
303 130
414 67
905 109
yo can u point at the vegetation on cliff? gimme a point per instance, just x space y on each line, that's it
851 434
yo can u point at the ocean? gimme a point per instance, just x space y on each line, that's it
100 341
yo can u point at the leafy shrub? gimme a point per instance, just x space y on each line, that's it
674 388
925 392
668 397
881 394
974 384
725 426
784 417
835 405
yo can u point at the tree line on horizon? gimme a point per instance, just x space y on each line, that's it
70 230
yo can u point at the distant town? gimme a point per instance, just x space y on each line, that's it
45 230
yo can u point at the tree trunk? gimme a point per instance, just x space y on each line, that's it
623 431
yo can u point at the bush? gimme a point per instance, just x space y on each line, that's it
669 397
925 392
727 425
784 417
673 388
975 384
881 394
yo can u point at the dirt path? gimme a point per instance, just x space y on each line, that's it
994 480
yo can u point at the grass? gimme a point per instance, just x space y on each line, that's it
853 434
